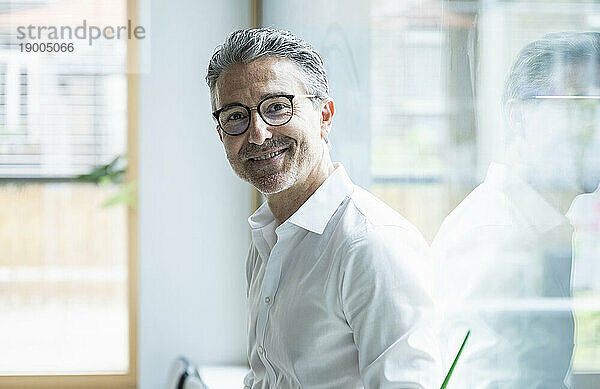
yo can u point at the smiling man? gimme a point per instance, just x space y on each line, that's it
336 295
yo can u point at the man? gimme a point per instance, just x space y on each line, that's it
335 277
505 251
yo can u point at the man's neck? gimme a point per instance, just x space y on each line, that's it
560 199
284 204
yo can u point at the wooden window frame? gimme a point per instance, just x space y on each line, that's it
113 381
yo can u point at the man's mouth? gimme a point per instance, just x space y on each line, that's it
268 156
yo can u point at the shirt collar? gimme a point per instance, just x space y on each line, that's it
261 217
534 208
315 213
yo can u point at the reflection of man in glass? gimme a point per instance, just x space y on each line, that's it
505 251
334 295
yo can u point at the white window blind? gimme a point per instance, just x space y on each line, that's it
60 113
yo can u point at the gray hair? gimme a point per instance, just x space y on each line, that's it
245 46
544 67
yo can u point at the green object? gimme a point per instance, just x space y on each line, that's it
113 174
455 360
127 195
102 174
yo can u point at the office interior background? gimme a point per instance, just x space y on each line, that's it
123 230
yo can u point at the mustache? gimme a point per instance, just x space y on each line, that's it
252 149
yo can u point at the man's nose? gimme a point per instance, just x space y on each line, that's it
259 130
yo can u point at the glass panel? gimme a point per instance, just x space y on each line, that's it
63 240
518 259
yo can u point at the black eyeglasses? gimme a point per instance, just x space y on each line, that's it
234 119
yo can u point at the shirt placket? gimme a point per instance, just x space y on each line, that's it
269 289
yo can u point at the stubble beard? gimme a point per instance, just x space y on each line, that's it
270 180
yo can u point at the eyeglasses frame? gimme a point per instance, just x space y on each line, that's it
256 108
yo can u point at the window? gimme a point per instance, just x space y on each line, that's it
68 219
433 74
439 68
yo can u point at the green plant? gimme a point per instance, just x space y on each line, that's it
113 173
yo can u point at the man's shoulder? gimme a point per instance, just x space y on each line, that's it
485 207
375 212
367 218
380 241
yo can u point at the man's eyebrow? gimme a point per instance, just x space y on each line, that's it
230 105
262 97
266 95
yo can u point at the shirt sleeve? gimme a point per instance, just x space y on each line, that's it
250 263
249 380
387 304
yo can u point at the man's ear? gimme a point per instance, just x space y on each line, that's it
515 116
220 134
327 112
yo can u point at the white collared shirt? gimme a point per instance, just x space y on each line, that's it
584 215
336 295
504 267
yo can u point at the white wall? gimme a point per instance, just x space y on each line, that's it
193 209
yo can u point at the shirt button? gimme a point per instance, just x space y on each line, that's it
260 349
267 300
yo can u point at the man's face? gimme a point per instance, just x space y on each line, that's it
562 143
298 143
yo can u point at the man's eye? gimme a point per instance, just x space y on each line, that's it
235 116
275 107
